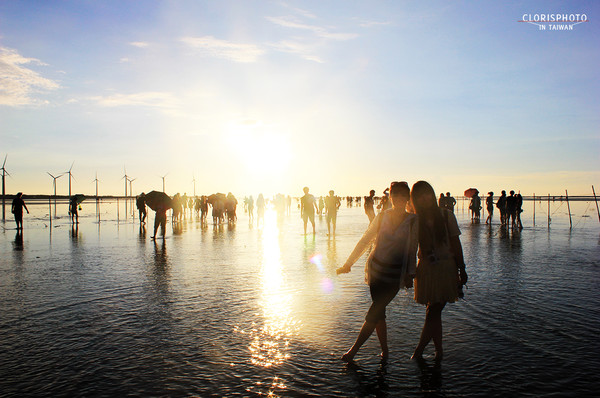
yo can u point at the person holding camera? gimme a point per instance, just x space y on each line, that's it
440 269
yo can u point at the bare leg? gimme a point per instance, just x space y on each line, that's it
431 330
381 329
365 331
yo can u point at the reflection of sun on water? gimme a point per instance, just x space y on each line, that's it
270 343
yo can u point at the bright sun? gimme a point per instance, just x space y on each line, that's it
260 149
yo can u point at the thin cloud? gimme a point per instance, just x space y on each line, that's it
303 50
140 44
152 99
290 22
368 24
300 11
18 83
237 52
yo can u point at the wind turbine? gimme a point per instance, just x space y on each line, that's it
54 182
163 178
70 176
96 180
4 174
126 178
131 189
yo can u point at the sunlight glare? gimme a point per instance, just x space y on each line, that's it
260 149
270 343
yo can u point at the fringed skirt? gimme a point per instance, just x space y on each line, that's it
436 282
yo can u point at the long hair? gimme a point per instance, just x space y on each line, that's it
425 204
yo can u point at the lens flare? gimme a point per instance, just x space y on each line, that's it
326 283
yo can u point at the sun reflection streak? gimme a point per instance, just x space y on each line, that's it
270 342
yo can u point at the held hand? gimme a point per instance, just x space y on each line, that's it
463 276
343 269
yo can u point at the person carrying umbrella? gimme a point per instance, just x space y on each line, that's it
74 202
160 202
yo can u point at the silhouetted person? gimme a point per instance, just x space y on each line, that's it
321 206
160 219
390 266
203 208
441 267
442 201
17 209
140 203
450 202
332 204
308 205
230 207
73 210
369 203
475 207
177 207
489 204
288 202
260 209
385 204
250 204
511 210
501 205
184 203
519 210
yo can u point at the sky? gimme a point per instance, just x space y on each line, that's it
271 96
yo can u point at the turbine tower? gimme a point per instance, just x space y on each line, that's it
163 178
96 180
194 181
70 176
4 174
130 188
126 178
54 182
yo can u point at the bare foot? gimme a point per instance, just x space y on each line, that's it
348 357
438 357
417 356
385 356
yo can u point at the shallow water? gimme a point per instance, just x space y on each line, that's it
247 310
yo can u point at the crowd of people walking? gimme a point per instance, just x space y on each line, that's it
412 239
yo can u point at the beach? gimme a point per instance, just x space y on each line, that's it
247 310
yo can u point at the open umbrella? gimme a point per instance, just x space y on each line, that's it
79 198
469 193
156 199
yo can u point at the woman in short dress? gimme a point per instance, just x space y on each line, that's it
441 267
391 264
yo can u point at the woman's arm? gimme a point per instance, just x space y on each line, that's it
457 251
363 244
